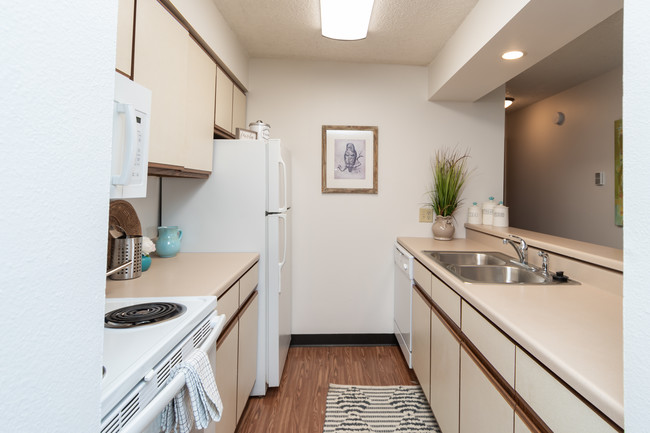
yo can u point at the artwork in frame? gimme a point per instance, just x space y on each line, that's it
349 159
618 172
245 134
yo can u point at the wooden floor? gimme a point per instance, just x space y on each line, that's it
298 405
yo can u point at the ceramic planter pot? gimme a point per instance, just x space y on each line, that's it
443 228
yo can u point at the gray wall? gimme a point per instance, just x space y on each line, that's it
550 168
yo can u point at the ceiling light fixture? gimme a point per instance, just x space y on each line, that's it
512 55
509 101
345 20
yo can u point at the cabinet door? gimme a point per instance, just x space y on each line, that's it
225 374
445 374
124 49
238 110
160 64
422 342
200 109
247 366
482 407
558 407
224 100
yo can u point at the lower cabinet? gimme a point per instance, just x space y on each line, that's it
421 341
225 374
482 408
445 365
247 363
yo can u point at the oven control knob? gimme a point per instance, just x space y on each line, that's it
149 376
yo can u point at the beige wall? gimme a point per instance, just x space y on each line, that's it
342 243
550 169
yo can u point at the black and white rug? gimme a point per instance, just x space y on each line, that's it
375 409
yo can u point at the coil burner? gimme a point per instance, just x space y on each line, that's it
142 314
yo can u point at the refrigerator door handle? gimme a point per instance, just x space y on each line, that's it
283 166
284 252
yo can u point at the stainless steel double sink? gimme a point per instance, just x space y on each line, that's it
490 267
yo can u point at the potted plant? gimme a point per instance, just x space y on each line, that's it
449 171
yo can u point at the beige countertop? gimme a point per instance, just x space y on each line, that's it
574 330
187 274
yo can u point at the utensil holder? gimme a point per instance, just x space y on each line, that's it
125 249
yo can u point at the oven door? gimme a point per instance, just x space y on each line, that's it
148 419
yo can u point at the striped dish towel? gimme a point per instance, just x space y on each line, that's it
203 393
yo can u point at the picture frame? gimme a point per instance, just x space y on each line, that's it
349 159
245 134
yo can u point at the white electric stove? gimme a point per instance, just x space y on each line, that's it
138 355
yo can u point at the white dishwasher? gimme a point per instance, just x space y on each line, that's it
403 299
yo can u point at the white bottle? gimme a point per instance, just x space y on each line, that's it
474 214
488 212
501 215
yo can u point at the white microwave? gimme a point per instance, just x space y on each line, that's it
129 161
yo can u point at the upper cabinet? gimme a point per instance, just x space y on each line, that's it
157 48
161 65
125 23
230 110
197 154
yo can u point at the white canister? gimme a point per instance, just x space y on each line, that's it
488 212
501 215
474 214
263 130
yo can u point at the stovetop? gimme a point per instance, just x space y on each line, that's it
130 353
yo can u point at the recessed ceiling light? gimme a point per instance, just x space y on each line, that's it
509 101
512 55
345 20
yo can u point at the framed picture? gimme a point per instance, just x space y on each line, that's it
349 159
245 134
618 172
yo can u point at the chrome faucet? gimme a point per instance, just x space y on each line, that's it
544 257
521 248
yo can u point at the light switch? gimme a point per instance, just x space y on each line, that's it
600 178
426 215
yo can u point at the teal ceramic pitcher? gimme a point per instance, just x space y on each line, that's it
169 241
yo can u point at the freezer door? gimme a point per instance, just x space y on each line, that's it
279 294
279 177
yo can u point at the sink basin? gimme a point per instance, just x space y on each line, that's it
499 275
476 258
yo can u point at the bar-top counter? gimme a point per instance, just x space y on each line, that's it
187 274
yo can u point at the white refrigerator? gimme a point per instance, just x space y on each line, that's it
244 206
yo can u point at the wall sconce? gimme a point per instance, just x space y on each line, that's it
508 101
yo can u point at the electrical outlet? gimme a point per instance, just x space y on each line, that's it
426 215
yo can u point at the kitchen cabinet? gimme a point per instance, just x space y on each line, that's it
160 64
236 363
445 374
180 75
482 407
247 363
225 374
238 110
421 341
556 405
124 48
224 101
197 154
445 356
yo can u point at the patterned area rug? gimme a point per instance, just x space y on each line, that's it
375 409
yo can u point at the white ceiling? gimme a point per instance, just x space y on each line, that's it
406 32
412 32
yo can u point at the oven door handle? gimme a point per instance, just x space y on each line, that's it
155 407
